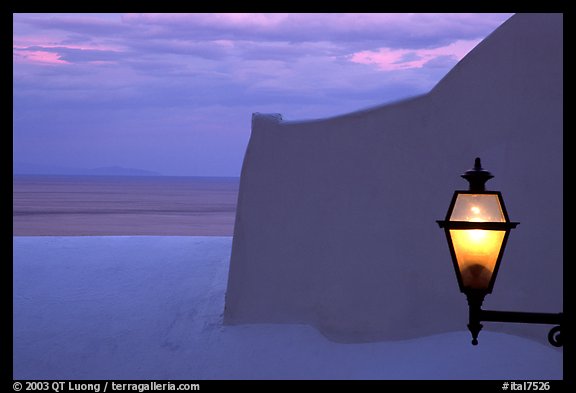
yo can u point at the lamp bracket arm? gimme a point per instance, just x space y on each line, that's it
521 317
477 315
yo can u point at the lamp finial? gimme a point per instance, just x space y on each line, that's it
477 177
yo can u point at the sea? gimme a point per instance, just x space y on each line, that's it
123 205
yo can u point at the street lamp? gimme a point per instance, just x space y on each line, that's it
477 229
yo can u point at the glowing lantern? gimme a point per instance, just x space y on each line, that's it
477 227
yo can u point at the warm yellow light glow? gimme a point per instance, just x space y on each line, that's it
477 236
477 208
476 251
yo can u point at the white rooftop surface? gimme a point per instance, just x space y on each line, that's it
151 308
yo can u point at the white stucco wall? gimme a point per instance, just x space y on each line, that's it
335 224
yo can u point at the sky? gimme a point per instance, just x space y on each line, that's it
174 93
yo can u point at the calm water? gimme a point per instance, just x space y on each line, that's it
102 205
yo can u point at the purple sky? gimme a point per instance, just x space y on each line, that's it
174 93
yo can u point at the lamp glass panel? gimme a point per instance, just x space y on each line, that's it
477 208
476 252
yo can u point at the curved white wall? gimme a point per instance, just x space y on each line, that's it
335 225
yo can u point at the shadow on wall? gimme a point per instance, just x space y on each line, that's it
335 224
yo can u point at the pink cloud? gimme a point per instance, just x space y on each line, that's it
38 51
395 29
219 19
388 59
41 57
421 22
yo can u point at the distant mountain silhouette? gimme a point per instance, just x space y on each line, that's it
119 171
21 168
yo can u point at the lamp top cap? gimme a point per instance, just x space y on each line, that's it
477 176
